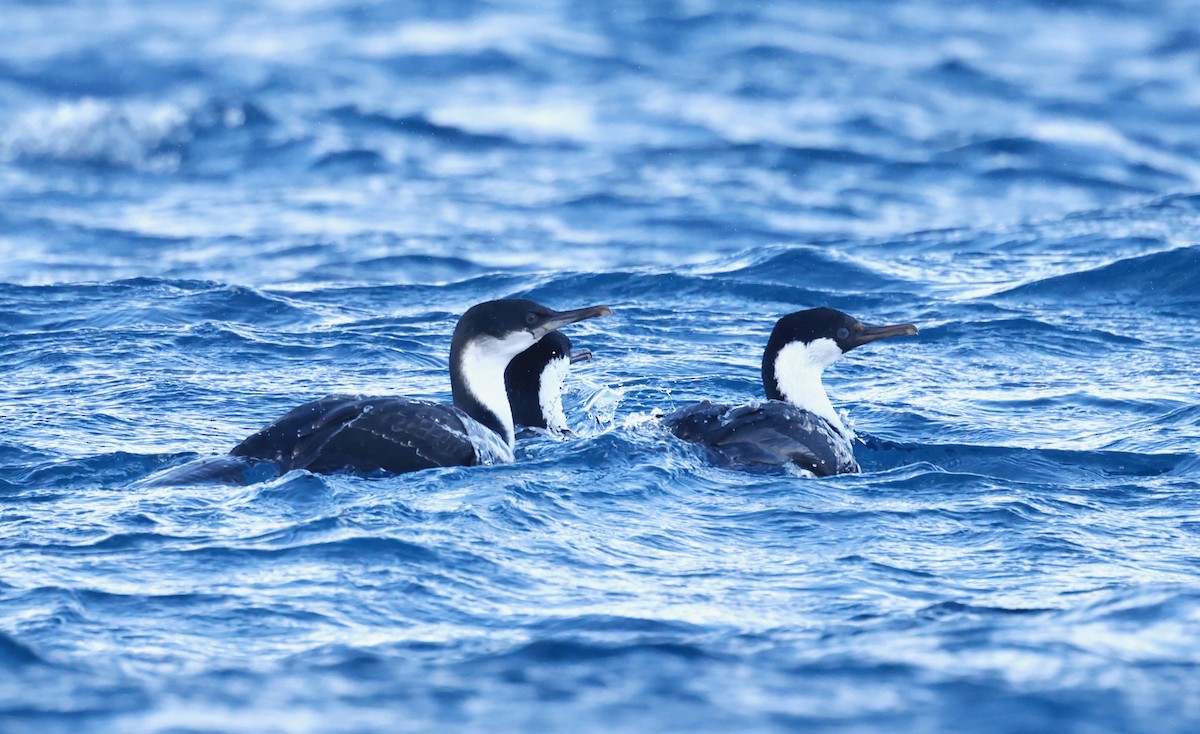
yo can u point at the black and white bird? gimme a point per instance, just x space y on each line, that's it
534 381
797 424
370 435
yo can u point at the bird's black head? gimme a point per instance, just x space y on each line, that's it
488 336
506 318
814 339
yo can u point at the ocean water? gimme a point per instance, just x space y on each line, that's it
211 212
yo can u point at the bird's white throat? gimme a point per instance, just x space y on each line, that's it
483 363
798 370
550 393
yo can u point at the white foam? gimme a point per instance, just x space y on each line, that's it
489 447
138 135
550 393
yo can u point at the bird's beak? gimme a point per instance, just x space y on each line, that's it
563 318
875 333
581 355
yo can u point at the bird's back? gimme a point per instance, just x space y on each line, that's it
766 434
364 435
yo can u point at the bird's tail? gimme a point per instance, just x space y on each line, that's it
240 470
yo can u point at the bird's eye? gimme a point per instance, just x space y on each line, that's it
843 333
531 318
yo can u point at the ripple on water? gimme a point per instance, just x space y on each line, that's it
211 216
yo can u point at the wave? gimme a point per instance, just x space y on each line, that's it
962 75
94 132
635 287
419 126
557 651
352 162
814 267
101 470
15 655
1049 339
1160 278
149 302
403 269
113 134
477 62
768 155
1159 602
1015 464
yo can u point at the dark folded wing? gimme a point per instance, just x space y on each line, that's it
768 434
363 435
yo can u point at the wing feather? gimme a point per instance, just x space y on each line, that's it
765 434
364 436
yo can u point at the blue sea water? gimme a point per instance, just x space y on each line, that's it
210 212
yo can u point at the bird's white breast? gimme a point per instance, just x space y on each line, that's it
483 363
798 369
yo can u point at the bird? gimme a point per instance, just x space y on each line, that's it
534 380
393 435
797 423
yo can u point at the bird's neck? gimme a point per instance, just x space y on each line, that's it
794 375
477 383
